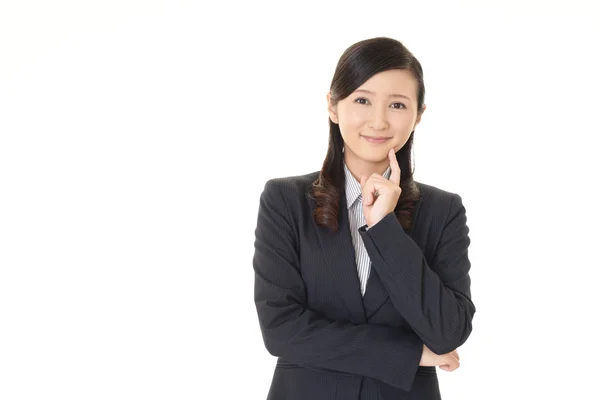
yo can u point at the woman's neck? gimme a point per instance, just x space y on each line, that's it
359 167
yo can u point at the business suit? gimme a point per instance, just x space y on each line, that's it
331 342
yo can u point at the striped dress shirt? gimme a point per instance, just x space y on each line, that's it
357 219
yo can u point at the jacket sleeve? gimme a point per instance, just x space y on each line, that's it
292 331
434 299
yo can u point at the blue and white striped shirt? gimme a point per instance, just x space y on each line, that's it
357 219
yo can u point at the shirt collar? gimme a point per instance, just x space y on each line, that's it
353 189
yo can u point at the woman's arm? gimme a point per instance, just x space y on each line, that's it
292 331
435 299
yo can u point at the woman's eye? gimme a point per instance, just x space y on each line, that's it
398 106
361 100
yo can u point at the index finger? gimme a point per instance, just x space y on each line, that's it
395 175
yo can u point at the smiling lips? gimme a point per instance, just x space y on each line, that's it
376 139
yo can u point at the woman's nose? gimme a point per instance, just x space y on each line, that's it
378 120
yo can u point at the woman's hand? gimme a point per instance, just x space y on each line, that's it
379 195
448 362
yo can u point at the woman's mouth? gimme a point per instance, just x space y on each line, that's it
376 139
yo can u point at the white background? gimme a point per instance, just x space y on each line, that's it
136 138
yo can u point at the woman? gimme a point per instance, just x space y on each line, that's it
361 273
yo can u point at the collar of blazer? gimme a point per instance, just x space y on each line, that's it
342 265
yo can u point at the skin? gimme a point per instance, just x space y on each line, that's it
385 105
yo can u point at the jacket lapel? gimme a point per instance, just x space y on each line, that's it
375 294
338 250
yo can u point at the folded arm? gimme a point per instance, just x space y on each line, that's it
435 298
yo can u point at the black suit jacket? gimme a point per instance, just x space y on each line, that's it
332 343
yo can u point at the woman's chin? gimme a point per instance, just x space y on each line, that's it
375 158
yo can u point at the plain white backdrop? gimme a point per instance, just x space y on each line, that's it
136 138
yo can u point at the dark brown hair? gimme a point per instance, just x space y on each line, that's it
357 64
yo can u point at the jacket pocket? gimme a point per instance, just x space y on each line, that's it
426 371
286 364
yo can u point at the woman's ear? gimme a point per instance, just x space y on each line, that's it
419 116
332 110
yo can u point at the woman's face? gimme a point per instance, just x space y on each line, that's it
385 106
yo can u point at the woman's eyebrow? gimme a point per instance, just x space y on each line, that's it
392 95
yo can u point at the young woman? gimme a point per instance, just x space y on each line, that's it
362 279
